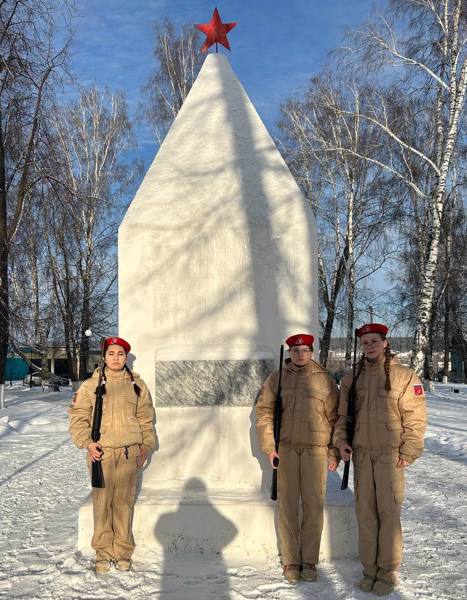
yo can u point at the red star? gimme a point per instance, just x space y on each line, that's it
215 31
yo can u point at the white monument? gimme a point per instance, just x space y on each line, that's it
217 266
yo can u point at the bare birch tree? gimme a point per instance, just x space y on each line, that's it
29 62
89 175
32 309
419 47
345 191
178 61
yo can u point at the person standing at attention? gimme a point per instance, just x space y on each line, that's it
390 421
127 436
309 411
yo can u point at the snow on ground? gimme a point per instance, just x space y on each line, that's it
43 482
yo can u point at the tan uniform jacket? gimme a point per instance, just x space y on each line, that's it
126 419
384 420
309 407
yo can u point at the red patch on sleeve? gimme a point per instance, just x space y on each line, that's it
418 389
75 397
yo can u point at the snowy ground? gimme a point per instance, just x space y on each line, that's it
43 482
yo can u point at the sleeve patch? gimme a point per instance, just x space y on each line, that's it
75 397
418 389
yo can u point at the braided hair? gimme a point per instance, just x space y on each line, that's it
102 389
388 355
135 385
387 365
360 364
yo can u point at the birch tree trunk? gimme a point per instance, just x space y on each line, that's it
446 335
457 97
330 301
428 49
350 275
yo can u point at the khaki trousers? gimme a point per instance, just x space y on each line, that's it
302 475
379 492
113 504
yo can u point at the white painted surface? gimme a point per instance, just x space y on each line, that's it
215 443
212 352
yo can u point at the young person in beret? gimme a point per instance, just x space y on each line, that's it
127 436
390 421
309 411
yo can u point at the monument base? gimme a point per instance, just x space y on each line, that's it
235 523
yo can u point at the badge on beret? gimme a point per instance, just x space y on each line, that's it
119 341
372 328
300 339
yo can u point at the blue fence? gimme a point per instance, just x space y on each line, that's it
16 368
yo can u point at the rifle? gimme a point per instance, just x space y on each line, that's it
350 415
97 474
277 426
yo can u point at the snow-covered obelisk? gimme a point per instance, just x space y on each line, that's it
217 251
217 266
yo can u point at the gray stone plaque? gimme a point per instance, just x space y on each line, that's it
210 382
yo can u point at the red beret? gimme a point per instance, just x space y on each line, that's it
119 341
300 339
372 328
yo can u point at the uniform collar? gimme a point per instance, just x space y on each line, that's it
115 375
111 375
308 368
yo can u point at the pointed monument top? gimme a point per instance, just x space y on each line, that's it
217 147
215 31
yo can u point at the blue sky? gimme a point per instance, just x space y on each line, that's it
276 47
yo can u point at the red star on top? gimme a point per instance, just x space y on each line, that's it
215 31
